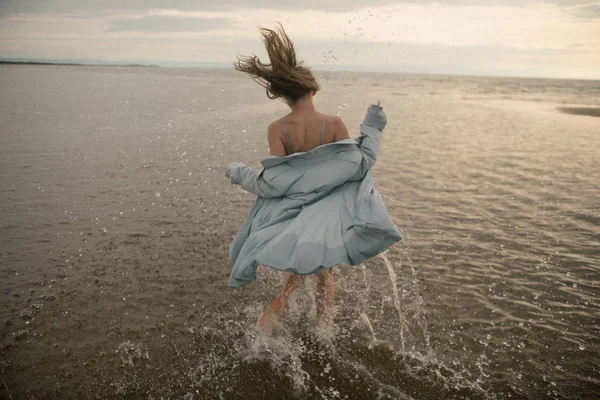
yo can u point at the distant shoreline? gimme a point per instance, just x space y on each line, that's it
588 111
78 64
318 69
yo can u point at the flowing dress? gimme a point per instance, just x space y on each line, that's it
314 209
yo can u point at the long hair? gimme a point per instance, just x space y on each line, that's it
284 76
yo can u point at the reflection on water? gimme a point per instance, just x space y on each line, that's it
116 219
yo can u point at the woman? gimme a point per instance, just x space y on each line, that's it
300 131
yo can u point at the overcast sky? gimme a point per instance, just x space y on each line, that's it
545 38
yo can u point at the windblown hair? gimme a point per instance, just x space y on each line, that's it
284 76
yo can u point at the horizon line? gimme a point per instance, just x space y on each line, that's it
226 65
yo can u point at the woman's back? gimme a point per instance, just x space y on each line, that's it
304 132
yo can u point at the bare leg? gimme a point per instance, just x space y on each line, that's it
324 297
267 320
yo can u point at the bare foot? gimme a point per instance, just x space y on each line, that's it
266 323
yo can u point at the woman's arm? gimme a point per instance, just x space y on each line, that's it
251 180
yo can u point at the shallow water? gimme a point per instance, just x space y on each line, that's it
116 220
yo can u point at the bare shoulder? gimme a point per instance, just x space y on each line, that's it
336 119
274 129
273 126
275 141
339 127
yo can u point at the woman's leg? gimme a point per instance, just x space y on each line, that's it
324 297
290 283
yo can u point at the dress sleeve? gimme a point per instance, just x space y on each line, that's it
369 140
251 180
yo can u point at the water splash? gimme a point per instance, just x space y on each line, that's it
397 304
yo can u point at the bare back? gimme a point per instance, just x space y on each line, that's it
305 132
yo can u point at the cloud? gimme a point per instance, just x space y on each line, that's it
589 11
168 23
551 38
92 8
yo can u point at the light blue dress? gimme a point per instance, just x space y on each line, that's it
314 209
